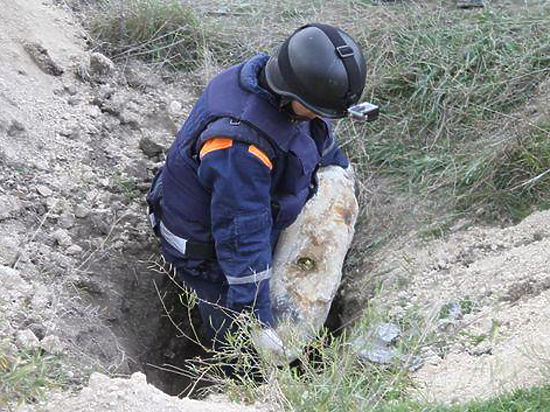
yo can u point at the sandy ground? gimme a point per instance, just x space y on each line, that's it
105 394
501 278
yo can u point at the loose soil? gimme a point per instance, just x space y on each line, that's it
79 143
499 278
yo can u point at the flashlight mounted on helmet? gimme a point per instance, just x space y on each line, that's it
365 112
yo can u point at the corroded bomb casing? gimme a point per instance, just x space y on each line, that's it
308 259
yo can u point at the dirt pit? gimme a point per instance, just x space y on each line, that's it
155 330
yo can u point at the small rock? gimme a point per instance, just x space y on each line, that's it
43 59
101 219
149 147
62 237
13 285
5 330
10 250
379 354
66 220
15 128
73 100
52 204
386 333
26 339
44 191
10 206
71 89
52 344
139 169
105 183
100 65
130 118
81 211
8 349
74 250
41 300
139 76
96 67
375 345
94 112
70 132
91 286
106 91
175 107
38 329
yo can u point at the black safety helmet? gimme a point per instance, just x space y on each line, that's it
320 66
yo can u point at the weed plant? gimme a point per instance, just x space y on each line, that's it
520 400
26 375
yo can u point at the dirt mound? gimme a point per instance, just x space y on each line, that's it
485 294
129 395
79 141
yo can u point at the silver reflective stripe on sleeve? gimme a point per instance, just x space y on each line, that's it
176 242
152 219
254 278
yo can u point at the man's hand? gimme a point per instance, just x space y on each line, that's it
270 346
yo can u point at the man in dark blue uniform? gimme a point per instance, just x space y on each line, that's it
244 164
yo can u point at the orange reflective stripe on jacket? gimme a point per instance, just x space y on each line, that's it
219 143
260 155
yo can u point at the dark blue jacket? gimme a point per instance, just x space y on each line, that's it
232 199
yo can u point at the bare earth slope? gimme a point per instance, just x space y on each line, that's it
500 278
79 141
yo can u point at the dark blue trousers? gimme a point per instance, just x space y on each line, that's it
216 318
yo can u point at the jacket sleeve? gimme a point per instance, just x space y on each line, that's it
239 181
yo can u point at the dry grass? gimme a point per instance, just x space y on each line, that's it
165 32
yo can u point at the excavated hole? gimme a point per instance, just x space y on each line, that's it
145 311
178 330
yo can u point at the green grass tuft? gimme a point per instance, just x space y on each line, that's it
25 376
159 31
520 400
